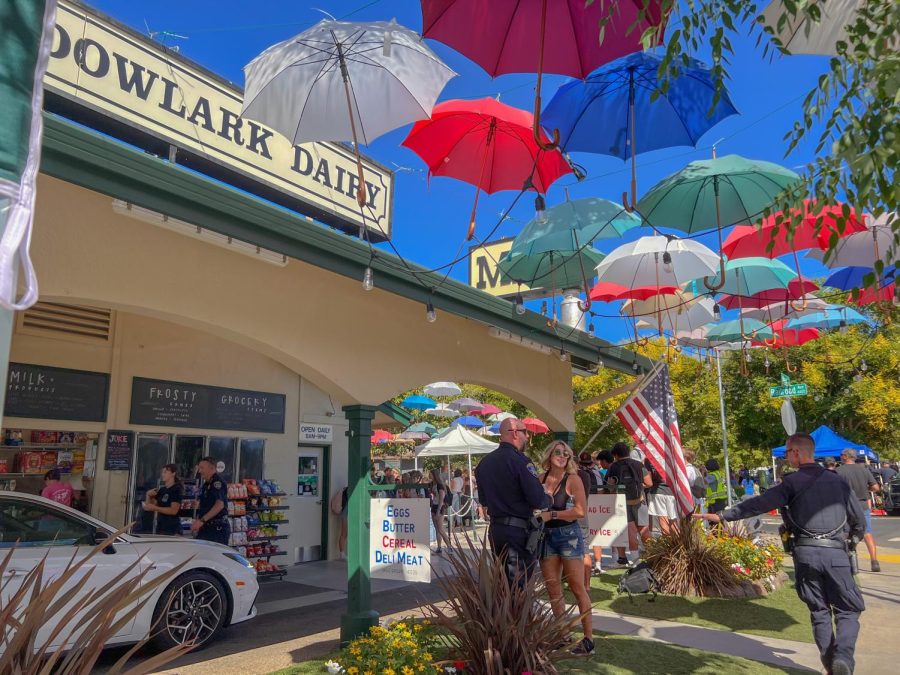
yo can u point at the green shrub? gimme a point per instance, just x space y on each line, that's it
403 648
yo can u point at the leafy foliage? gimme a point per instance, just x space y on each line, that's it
403 648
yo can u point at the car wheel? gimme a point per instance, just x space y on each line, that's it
192 609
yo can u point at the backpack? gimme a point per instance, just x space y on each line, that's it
634 488
639 579
698 487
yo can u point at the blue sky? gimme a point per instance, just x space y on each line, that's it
431 218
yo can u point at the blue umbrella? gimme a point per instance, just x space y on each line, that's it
495 428
417 402
468 421
612 112
848 278
835 317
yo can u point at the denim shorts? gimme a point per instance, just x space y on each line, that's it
868 514
566 542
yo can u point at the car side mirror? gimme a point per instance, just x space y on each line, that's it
99 537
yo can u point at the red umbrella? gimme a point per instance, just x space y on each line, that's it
487 409
796 289
789 337
485 143
535 426
381 436
605 291
871 296
566 37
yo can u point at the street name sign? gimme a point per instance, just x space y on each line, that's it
790 390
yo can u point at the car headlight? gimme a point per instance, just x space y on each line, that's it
240 560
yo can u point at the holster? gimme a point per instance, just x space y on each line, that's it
787 538
535 535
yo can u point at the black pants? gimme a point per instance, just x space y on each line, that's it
520 564
215 530
825 584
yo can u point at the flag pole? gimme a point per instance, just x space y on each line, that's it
724 431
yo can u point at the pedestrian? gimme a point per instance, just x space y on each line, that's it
863 483
830 464
716 495
821 513
591 484
604 460
165 501
660 500
509 488
749 486
56 489
211 520
564 547
887 473
438 492
630 474
696 479
457 484
339 503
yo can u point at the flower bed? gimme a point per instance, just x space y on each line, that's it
756 567
402 648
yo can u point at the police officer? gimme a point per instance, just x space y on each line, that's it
509 487
821 513
211 520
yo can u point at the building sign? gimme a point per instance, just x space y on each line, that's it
161 403
485 275
119 447
398 540
308 476
607 520
316 433
127 78
50 393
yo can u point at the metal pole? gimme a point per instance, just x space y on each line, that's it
471 497
724 430
7 318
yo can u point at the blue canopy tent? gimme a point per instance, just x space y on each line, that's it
831 444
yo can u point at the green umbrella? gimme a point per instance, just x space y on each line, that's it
550 269
715 193
572 224
422 427
748 276
734 331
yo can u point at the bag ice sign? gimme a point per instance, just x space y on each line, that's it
398 540
607 520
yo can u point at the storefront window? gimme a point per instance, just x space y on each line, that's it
252 458
224 450
189 450
151 454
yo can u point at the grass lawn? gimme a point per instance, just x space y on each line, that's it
781 614
619 655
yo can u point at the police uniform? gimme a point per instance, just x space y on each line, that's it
509 488
822 512
217 528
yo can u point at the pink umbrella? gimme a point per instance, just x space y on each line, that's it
486 409
535 426
381 436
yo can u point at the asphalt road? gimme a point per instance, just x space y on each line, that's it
885 528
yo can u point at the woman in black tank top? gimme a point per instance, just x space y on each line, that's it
564 545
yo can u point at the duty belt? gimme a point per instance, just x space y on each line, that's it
512 521
824 543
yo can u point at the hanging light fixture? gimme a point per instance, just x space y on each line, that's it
862 365
368 280
667 263
520 304
717 313
843 326
540 210
562 354
635 367
430 314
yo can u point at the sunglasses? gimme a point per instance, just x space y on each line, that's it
523 430
559 452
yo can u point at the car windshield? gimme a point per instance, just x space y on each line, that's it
26 524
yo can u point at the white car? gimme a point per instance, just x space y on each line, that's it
215 588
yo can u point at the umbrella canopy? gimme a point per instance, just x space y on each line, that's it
499 417
837 317
658 303
778 310
416 402
442 410
642 263
381 436
735 331
801 36
490 431
465 404
455 441
469 421
795 290
788 337
749 276
487 409
848 278
770 239
422 427
691 317
863 249
572 224
550 269
442 389
871 296
535 426
413 436
604 291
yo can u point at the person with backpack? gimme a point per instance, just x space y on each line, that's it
696 479
630 474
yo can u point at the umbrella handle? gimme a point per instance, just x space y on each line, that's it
536 129
629 206
745 371
804 303
642 341
770 342
706 280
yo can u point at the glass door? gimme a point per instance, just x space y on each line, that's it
150 454
223 449
189 450
252 458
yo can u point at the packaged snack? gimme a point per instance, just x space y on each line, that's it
48 461
30 462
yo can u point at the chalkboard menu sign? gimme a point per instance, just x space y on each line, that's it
50 393
178 404
119 446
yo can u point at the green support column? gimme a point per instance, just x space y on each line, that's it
567 437
359 616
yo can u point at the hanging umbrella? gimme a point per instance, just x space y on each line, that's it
658 303
344 81
872 296
442 389
490 431
836 317
667 308
572 37
469 421
487 144
621 109
863 249
796 289
788 337
550 269
604 291
535 426
381 436
734 331
691 317
413 436
848 278
657 261
715 193
442 410
749 276
486 409
422 427
465 404
801 36
416 402
778 310
499 417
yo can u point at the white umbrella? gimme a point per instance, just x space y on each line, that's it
862 249
690 318
442 389
801 36
442 410
344 81
499 417
465 404
486 431
658 261
776 310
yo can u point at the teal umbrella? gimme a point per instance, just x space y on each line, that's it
715 193
423 428
833 317
572 224
733 331
550 269
748 276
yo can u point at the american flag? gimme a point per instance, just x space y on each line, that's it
649 416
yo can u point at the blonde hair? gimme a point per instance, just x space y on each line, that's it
571 467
